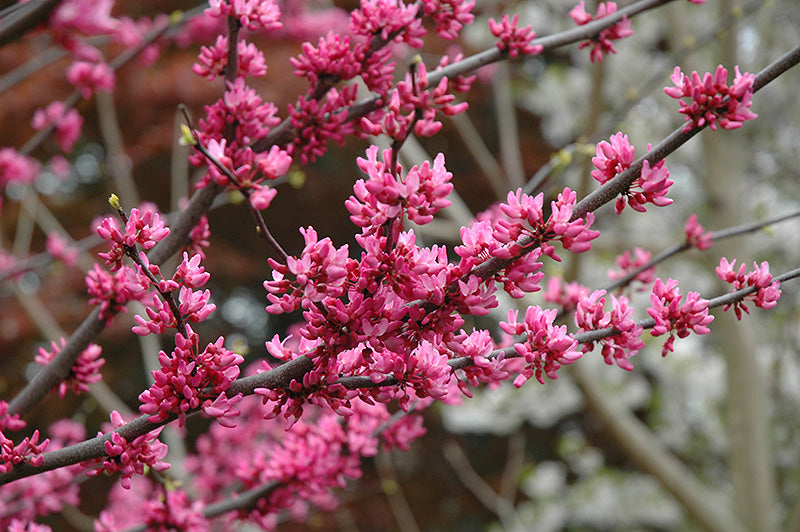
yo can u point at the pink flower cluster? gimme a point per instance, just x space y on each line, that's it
190 379
193 305
388 195
412 106
84 372
626 340
66 122
59 248
565 295
255 15
676 318
601 44
513 39
319 272
29 450
653 183
9 422
768 291
113 290
628 263
547 346
17 525
213 60
696 235
128 458
450 16
711 100
49 492
91 77
143 227
17 168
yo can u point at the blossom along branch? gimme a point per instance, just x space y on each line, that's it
283 133
688 243
294 370
202 199
436 292
673 141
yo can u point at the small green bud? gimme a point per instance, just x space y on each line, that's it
113 200
187 137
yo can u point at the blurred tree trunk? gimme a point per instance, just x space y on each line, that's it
750 460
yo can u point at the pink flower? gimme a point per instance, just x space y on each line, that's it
67 123
145 228
675 318
213 61
626 342
17 525
174 511
84 372
90 17
612 158
768 291
320 121
565 295
695 235
333 59
320 271
450 16
128 458
59 248
419 195
29 450
514 40
712 101
88 77
650 187
601 44
191 379
546 348
17 168
9 423
113 291
628 263
255 15
392 20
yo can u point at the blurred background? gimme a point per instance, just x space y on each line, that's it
598 449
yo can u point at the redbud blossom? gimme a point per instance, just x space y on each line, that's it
29 450
254 15
450 16
546 348
650 187
17 168
145 228
675 318
696 235
128 458
66 122
626 340
191 379
711 100
17 525
768 291
513 39
601 44
58 247
213 61
88 77
627 263
84 372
